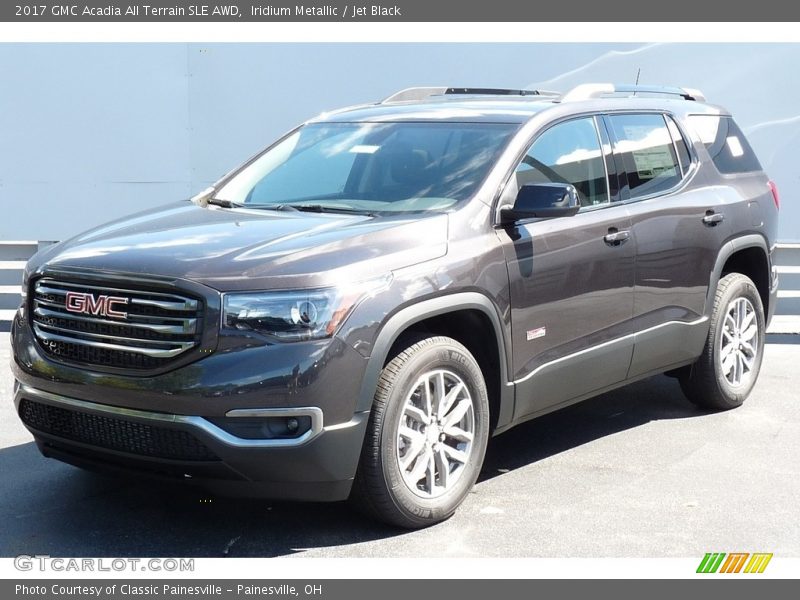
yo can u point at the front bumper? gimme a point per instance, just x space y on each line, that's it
307 469
135 424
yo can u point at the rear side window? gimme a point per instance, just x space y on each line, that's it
645 145
726 144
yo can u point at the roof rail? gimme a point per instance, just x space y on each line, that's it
587 91
421 93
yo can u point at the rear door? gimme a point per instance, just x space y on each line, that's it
572 277
679 226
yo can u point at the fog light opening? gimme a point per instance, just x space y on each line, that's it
265 428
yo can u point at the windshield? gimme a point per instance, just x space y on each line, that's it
371 167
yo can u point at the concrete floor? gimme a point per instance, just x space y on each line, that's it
638 472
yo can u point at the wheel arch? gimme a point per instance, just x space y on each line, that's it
429 313
748 255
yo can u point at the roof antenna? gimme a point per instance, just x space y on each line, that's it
638 72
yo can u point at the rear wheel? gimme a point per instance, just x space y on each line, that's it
426 436
726 372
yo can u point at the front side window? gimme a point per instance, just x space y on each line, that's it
372 167
568 153
644 143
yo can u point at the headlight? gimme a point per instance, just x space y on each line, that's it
295 315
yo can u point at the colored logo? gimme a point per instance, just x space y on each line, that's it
734 562
89 304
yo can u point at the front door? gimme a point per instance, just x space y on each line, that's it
571 278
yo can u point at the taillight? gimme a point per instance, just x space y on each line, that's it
775 197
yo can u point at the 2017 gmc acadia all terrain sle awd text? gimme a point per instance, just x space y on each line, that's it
354 311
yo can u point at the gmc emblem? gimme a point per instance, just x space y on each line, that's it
89 304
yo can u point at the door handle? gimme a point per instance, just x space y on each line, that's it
615 237
713 218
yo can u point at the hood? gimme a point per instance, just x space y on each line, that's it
240 249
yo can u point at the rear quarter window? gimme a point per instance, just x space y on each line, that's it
725 143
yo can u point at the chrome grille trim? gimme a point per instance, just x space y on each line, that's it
187 325
154 352
126 342
185 322
186 304
159 326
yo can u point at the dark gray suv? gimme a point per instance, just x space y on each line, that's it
355 310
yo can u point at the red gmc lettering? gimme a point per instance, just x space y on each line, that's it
89 304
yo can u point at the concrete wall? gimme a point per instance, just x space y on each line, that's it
90 132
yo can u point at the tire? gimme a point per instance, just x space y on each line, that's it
401 451
726 372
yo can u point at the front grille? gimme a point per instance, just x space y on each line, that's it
113 327
112 433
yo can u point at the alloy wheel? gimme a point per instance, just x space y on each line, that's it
435 433
739 342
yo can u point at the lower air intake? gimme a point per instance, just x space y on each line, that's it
114 434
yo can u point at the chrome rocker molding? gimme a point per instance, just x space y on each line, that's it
631 337
194 422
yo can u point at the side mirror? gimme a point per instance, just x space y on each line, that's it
543 200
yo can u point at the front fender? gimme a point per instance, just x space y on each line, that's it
405 318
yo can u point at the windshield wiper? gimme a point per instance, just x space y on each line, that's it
223 203
315 208
322 208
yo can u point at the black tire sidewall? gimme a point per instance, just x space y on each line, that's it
743 288
454 358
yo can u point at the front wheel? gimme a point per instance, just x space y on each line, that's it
726 372
426 436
